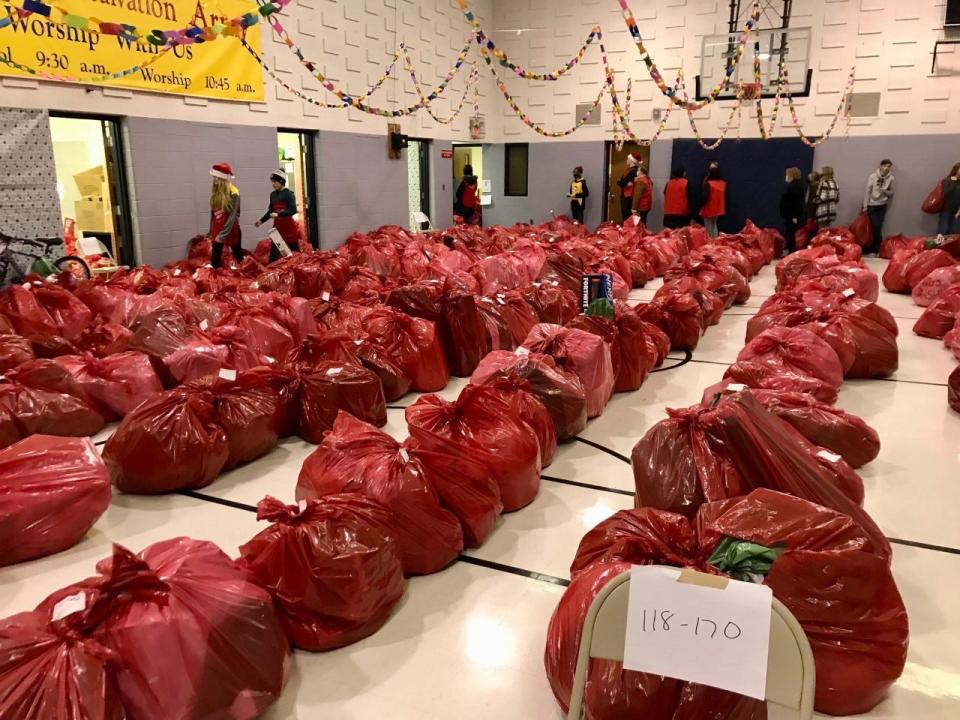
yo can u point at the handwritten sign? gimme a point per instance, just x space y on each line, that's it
716 633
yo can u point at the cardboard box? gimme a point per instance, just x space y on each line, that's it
92 215
92 182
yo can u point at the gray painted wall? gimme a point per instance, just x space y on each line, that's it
169 162
441 190
661 162
919 162
358 187
550 171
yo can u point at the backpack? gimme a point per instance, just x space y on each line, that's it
469 198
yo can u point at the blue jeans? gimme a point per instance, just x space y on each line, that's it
876 213
948 225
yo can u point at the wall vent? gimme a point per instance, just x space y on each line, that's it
584 108
864 104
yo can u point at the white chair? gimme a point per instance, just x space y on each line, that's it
790 670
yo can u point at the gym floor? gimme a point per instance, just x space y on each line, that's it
468 642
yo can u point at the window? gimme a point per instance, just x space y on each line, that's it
515 183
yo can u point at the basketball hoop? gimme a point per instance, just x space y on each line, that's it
749 91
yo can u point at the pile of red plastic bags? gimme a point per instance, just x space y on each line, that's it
930 271
756 483
206 369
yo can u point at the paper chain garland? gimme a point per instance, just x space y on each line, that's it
268 10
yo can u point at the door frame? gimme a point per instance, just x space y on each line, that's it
114 148
607 159
308 150
425 168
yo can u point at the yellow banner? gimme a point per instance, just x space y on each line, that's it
219 69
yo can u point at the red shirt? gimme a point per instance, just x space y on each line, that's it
716 204
675 201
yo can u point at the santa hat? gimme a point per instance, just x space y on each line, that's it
633 159
280 175
222 171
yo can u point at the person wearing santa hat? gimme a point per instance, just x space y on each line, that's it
224 214
626 184
282 209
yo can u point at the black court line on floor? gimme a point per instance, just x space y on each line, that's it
397 407
882 379
602 448
588 486
925 546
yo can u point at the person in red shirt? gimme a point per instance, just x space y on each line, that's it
283 210
676 200
642 193
714 200
224 214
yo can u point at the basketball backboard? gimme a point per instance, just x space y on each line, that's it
793 44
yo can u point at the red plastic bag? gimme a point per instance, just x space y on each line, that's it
104 338
934 202
170 442
249 409
560 392
355 457
481 426
829 576
47 672
414 344
795 350
52 491
114 385
631 356
580 352
679 316
612 693
441 440
194 638
908 268
329 387
862 231
894 243
69 314
28 317
824 425
14 350
939 317
936 284
354 347
707 454
552 303
468 340
199 356
952 340
759 375
332 566
26 411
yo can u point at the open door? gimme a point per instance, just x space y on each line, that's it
92 184
297 159
616 166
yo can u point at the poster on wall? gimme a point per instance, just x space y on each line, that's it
83 41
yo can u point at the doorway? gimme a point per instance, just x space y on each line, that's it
472 155
616 162
91 184
297 158
418 183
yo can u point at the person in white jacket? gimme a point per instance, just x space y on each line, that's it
876 199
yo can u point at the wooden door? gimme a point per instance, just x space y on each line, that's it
616 166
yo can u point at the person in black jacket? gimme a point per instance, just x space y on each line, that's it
283 211
579 192
792 207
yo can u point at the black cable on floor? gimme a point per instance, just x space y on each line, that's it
687 357
601 448
490 565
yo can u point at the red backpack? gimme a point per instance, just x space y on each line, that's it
469 198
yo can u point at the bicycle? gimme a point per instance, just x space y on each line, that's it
43 264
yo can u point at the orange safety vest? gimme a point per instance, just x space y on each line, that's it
716 205
675 201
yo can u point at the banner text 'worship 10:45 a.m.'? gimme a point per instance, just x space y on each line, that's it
76 51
